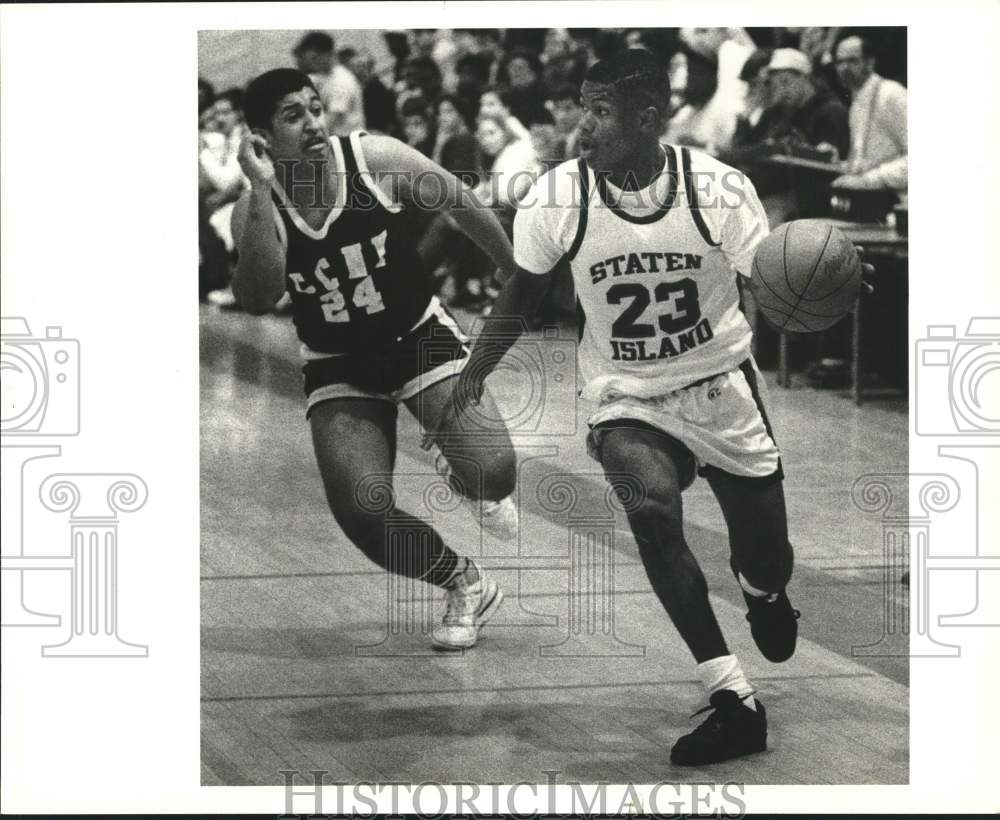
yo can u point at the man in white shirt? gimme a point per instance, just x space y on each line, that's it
878 155
338 88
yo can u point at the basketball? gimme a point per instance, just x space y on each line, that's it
806 276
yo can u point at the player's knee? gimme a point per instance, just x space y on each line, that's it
499 473
488 472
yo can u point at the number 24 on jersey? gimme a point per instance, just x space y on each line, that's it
365 293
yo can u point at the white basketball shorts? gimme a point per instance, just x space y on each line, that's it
721 421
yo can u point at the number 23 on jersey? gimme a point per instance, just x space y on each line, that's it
365 294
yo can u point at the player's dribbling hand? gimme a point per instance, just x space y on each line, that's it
867 272
256 161
468 393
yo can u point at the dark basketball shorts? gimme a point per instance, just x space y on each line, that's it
434 350
718 423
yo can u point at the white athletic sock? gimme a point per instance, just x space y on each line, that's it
724 673
750 589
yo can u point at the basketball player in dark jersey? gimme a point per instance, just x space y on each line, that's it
326 220
665 353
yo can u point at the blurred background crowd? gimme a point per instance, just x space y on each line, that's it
488 104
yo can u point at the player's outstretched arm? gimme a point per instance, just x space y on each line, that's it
422 183
259 281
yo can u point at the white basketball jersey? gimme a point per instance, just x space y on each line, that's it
655 271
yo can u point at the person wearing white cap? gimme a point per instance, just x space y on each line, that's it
815 116
790 59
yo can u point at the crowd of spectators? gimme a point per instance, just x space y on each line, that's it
490 104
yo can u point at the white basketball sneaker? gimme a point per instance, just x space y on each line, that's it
469 607
499 518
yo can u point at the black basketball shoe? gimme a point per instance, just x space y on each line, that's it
773 624
732 730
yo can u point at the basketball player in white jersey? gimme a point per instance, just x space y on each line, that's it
329 221
656 237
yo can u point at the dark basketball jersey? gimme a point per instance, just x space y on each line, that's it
358 282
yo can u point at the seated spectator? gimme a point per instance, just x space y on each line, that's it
526 93
206 97
378 102
421 76
480 42
800 119
878 147
566 114
493 103
473 72
812 115
444 247
728 48
338 89
749 130
344 57
455 146
213 261
705 120
511 166
817 43
510 161
583 47
397 42
441 47
422 41
417 124
222 180
560 66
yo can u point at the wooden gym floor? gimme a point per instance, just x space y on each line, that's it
305 666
